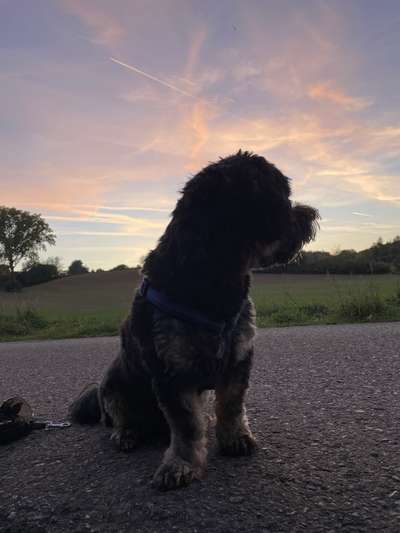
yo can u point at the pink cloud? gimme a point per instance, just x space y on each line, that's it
325 91
107 30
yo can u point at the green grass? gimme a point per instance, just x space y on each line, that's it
49 311
34 324
283 300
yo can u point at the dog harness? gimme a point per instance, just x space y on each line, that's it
164 304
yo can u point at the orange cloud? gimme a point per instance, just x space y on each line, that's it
194 54
378 187
324 91
200 133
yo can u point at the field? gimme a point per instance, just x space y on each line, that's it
95 304
284 299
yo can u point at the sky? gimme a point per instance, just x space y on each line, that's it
107 108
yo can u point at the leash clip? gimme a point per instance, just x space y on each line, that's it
57 425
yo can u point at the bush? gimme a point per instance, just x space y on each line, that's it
395 299
362 306
287 315
119 267
314 310
77 267
345 262
23 322
13 285
38 273
4 275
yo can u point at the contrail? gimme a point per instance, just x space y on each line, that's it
150 77
357 213
180 91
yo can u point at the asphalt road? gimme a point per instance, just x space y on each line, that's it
324 405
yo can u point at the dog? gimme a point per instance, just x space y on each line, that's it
191 326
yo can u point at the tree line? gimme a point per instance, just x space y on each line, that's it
41 272
24 235
380 258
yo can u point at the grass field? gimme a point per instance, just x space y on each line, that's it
95 304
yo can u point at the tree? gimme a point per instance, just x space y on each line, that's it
4 275
22 236
38 273
77 267
119 267
56 262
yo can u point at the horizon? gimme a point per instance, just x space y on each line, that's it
109 108
63 268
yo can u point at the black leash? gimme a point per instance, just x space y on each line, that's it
17 420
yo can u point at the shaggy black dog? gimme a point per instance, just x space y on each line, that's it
192 323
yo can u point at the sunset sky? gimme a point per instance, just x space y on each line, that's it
107 107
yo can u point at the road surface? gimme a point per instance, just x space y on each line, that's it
324 405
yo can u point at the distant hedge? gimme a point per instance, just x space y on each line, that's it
38 273
346 262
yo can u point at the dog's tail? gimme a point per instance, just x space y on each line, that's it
86 408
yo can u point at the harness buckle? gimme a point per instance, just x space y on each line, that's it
144 287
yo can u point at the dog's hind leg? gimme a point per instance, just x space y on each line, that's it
233 433
124 435
135 418
129 405
185 458
86 409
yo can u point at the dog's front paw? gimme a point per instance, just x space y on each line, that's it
237 445
174 474
125 440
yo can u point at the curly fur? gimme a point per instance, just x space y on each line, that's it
232 215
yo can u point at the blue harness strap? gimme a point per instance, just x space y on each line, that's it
164 304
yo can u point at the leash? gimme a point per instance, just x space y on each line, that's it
17 420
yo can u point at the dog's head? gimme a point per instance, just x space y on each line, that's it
301 229
244 201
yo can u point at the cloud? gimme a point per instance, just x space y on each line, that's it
139 96
325 91
380 226
90 135
193 57
198 124
390 132
129 208
100 233
77 208
96 217
246 71
107 29
358 214
341 228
